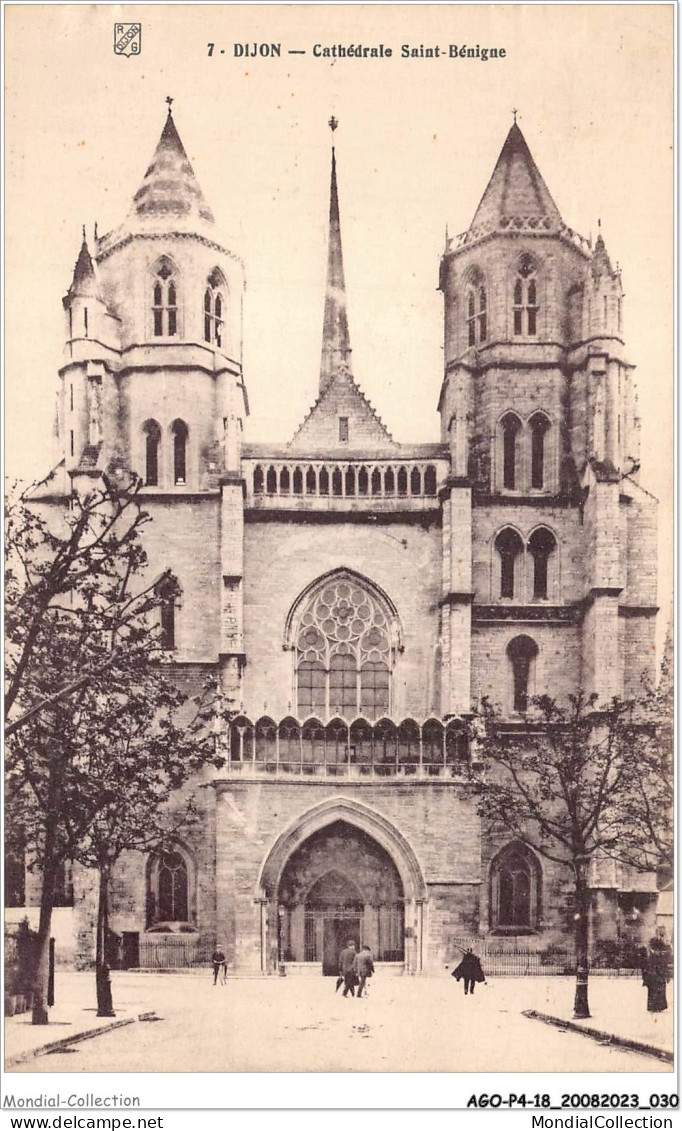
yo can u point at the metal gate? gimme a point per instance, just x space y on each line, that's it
327 930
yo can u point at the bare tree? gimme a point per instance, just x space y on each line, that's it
568 788
88 703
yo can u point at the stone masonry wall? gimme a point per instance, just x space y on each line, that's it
282 558
556 670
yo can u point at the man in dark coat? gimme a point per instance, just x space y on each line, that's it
470 970
364 967
347 968
657 975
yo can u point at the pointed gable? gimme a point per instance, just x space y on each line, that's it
170 187
516 194
342 400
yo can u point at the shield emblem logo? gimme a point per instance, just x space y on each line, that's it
127 39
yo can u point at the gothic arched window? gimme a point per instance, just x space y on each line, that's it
344 651
214 307
522 652
167 591
526 298
477 310
539 427
165 300
169 883
541 545
152 441
515 888
510 429
509 546
180 435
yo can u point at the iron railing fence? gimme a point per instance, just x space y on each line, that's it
506 957
174 953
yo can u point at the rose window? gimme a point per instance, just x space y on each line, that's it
343 653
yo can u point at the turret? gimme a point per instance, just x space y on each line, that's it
91 348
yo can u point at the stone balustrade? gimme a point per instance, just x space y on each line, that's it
404 481
357 749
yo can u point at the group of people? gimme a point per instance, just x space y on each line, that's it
355 967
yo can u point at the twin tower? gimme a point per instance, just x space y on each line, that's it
542 544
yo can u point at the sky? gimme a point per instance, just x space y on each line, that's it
416 144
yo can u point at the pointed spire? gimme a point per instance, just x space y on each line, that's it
335 338
170 187
601 264
516 196
84 282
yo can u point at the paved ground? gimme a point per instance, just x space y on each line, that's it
299 1023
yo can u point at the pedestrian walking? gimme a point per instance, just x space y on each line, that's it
470 970
364 968
657 975
219 966
347 969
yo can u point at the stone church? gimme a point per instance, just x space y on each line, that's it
357 594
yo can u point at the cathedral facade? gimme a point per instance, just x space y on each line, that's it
357 595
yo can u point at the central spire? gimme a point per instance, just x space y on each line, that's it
335 338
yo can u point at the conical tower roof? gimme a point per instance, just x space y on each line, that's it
336 348
516 196
601 263
84 282
170 187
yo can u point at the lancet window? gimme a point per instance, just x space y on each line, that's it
169 888
477 311
214 308
514 890
526 299
165 301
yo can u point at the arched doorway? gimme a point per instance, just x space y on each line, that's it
341 854
339 885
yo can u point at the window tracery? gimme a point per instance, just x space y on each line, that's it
515 889
477 311
343 653
214 308
526 298
165 301
169 883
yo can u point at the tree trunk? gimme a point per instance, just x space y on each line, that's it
41 972
105 1005
581 1007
